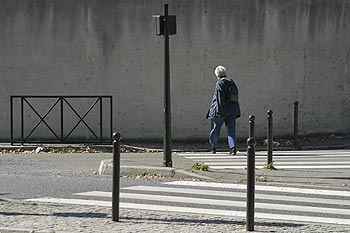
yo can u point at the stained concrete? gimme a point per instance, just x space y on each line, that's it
277 51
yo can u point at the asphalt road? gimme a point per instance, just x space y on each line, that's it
57 175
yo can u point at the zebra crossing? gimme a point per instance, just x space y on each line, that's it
316 159
223 199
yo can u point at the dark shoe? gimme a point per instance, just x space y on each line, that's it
233 151
213 150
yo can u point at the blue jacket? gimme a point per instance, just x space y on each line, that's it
220 107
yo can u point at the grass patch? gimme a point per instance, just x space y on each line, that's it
270 166
199 167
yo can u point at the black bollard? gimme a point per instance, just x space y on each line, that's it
250 184
269 136
116 177
251 126
296 143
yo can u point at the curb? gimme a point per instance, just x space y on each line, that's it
106 168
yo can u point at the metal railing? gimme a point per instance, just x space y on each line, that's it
62 136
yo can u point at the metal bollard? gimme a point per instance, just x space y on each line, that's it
116 177
250 183
296 143
251 126
269 136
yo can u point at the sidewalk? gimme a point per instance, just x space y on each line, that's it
17 217
151 165
151 162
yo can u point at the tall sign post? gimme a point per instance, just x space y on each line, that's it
165 26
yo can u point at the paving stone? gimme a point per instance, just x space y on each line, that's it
48 218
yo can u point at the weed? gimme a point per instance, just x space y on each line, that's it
270 166
199 167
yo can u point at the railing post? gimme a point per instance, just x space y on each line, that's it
296 143
250 184
116 177
101 119
11 119
62 118
269 137
111 117
22 121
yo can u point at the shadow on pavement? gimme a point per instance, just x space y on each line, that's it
215 221
80 215
65 214
18 213
337 178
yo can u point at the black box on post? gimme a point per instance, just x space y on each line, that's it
159 21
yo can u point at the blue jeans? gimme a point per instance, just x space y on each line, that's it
230 122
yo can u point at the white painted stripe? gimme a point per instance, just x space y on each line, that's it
320 152
214 202
225 154
235 213
310 153
305 162
204 156
306 156
208 192
196 210
296 154
278 163
276 151
212 157
95 194
285 167
262 188
283 158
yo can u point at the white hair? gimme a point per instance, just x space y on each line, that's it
220 71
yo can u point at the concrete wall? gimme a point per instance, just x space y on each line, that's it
277 51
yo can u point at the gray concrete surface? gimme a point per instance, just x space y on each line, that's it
151 163
293 50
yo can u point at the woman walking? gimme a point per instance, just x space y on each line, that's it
224 109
